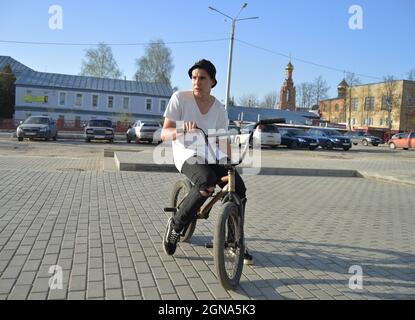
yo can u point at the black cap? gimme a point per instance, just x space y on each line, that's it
207 66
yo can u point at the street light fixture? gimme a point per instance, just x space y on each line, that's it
228 82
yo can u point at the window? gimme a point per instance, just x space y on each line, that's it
125 102
354 105
110 102
368 121
353 121
149 103
369 103
62 98
94 100
386 103
163 104
78 99
336 108
381 122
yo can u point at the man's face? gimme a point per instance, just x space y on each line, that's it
201 82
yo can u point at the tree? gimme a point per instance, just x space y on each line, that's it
248 100
7 92
156 65
321 89
269 101
305 93
392 97
351 80
100 63
411 74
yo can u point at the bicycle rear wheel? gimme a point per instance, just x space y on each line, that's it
229 246
180 190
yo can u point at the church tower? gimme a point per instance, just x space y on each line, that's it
287 93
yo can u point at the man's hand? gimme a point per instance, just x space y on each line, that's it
189 126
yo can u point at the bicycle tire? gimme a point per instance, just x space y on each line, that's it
229 216
183 186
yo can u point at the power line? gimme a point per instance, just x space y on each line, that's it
110 44
306 61
190 42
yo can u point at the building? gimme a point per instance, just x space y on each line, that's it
383 107
287 92
238 113
73 100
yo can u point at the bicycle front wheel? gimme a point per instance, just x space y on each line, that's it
229 246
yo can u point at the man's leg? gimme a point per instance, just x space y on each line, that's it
204 181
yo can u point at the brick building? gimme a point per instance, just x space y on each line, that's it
287 92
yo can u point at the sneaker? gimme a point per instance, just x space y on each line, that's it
171 237
248 259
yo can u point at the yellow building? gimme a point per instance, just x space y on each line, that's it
384 106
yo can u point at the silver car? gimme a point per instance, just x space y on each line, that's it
36 127
144 130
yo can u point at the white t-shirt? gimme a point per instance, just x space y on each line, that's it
182 107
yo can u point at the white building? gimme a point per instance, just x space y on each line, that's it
69 98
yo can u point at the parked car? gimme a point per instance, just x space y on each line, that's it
37 127
144 130
363 138
296 138
266 135
99 129
235 131
330 138
404 140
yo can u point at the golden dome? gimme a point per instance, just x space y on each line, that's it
289 66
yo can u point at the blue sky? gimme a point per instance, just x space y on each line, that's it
316 31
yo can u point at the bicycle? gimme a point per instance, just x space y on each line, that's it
229 243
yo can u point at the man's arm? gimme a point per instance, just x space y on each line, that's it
170 131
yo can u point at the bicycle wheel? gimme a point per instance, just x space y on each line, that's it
180 190
229 246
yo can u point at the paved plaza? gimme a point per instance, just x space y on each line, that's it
104 228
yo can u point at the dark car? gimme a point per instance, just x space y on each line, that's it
330 138
297 138
363 138
41 127
99 130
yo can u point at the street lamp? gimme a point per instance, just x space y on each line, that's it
228 82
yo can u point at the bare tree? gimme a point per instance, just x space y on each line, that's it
351 80
100 62
321 89
248 100
269 101
411 74
156 65
391 97
305 94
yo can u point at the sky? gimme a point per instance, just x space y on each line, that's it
316 34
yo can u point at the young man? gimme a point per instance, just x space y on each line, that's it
186 111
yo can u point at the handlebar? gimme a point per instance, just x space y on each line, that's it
261 122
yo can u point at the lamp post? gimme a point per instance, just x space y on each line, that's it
228 82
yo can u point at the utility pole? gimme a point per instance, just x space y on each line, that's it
234 20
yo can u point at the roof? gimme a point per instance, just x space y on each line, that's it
17 67
251 114
64 81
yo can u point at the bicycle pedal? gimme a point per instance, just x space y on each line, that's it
170 210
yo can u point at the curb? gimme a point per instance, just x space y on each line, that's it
266 171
